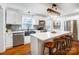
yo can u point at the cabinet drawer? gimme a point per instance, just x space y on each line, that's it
9 40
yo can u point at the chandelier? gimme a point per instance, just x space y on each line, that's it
53 10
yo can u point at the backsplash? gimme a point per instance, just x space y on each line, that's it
13 27
16 27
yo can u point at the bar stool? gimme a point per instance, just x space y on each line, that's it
68 40
60 45
50 46
63 40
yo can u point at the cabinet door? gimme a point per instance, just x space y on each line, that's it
18 18
26 39
10 17
13 17
8 41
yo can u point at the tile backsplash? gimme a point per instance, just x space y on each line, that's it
13 27
16 27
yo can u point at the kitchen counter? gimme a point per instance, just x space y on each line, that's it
48 35
38 39
10 35
15 31
21 31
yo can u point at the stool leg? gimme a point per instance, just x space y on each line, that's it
50 51
43 49
70 43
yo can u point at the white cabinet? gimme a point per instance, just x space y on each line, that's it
13 17
10 17
9 40
18 18
26 39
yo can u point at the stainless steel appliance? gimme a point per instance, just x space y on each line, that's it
18 39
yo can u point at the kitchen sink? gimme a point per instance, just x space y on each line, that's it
29 32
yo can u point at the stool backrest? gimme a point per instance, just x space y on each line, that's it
69 37
57 43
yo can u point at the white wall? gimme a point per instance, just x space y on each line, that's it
78 28
2 34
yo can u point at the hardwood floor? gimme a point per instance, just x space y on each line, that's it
19 50
74 49
26 50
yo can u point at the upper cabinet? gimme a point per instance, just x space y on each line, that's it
13 17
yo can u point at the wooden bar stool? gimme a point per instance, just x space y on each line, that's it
68 42
50 46
60 45
62 39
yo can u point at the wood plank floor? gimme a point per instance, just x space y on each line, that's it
74 49
19 50
26 50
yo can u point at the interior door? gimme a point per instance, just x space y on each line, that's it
78 28
67 25
75 31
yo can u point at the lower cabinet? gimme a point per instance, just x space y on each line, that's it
26 39
9 40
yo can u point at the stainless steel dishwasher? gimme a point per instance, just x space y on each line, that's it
18 39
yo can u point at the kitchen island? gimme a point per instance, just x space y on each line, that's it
38 39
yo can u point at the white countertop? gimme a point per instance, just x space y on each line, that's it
37 31
48 35
15 32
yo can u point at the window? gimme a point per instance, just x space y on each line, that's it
56 24
27 22
48 23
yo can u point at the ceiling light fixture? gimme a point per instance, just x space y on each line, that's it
53 9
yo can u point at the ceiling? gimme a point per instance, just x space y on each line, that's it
40 8
69 8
